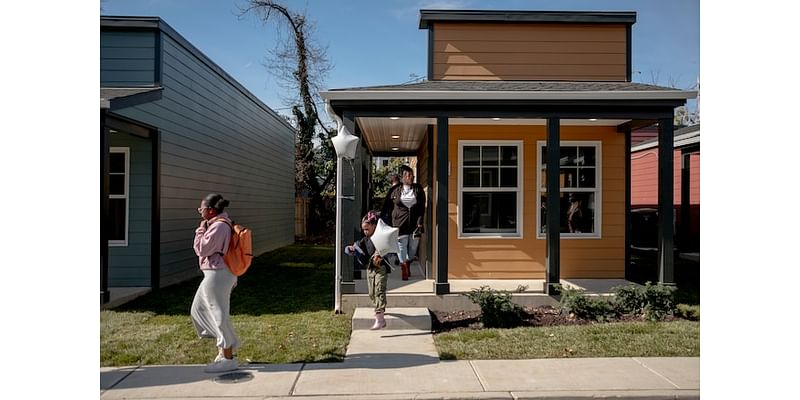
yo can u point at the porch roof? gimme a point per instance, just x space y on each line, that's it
393 119
114 98
511 90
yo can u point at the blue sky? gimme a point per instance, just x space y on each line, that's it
379 42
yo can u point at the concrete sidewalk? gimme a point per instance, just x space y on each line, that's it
401 362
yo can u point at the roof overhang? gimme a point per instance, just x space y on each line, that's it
683 137
507 95
118 98
427 17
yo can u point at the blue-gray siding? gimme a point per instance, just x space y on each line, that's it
127 59
201 116
130 265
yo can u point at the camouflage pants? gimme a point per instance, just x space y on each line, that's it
376 283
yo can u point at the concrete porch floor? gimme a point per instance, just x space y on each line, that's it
418 291
121 295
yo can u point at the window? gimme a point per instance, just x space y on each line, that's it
579 193
118 196
490 195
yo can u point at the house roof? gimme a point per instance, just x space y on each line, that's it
682 137
511 90
426 17
116 98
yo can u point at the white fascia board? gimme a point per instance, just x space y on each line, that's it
498 95
678 141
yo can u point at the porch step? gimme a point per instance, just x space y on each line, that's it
397 318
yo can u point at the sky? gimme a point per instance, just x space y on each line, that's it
379 42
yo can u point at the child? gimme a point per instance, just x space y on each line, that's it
377 267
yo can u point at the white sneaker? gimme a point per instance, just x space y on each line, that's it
218 358
223 365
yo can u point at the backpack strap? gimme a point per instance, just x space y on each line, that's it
227 222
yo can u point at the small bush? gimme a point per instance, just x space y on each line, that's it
653 302
576 302
689 312
497 310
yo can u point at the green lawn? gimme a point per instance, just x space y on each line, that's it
282 311
630 339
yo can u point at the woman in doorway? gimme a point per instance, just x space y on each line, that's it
406 205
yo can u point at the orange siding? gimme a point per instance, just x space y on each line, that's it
486 51
525 258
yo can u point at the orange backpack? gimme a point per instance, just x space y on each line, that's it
240 251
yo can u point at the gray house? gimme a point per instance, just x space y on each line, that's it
167 111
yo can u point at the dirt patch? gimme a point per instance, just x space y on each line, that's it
532 316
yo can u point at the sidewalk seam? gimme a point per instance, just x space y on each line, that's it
657 374
477 375
296 378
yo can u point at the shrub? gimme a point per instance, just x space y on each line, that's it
497 310
653 302
576 302
688 312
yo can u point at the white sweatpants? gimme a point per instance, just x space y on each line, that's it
212 305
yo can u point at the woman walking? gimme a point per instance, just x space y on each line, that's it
212 302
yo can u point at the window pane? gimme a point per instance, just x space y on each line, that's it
489 212
586 156
116 184
568 155
116 162
472 177
490 156
568 178
577 213
508 155
472 155
586 177
489 177
116 219
508 177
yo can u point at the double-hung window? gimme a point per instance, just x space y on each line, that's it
118 178
579 189
490 188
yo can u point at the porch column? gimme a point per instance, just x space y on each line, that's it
441 286
351 227
665 204
553 227
627 133
105 295
155 204
686 205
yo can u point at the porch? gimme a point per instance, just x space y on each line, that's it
418 291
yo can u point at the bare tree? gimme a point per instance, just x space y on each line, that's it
301 65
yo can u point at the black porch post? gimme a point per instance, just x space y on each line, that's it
105 295
441 286
553 223
665 204
627 199
155 204
350 228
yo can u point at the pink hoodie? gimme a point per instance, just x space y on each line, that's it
210 243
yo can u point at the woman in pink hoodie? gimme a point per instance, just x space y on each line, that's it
212 302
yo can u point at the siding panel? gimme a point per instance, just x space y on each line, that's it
529 52
127 59
216 139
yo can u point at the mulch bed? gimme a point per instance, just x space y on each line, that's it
532 316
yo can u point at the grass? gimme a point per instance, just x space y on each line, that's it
282 310
630 339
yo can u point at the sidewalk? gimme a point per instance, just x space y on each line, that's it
401 362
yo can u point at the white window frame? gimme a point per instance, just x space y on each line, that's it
519 190
126 196
598 190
